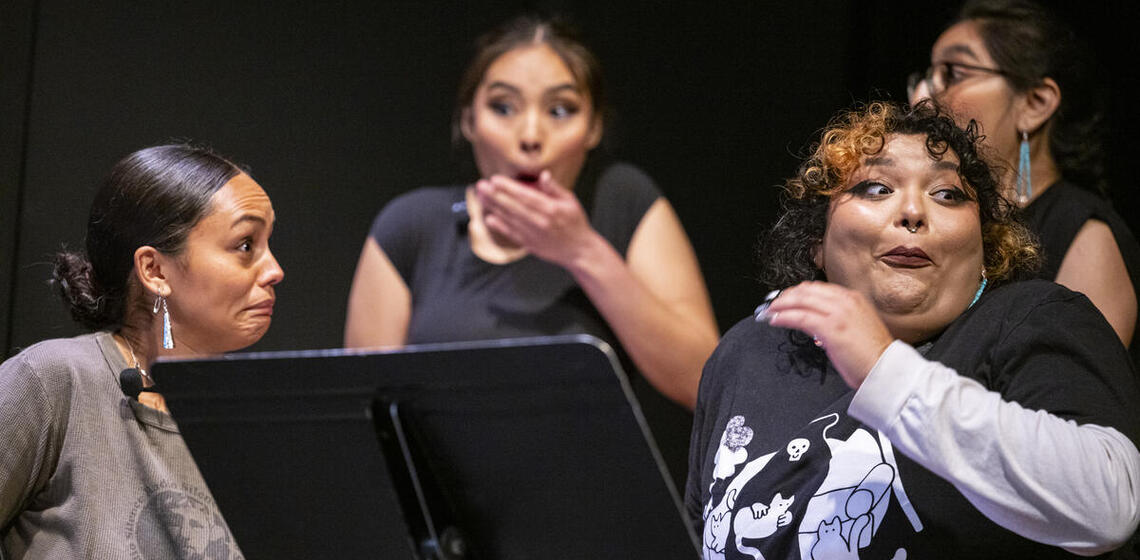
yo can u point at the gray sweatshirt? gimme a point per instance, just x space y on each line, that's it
86 472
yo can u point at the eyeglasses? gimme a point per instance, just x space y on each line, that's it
942 75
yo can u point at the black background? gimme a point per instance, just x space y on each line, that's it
337 107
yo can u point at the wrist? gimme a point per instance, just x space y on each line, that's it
591 257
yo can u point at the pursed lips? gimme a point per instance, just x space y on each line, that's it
265 307
906 257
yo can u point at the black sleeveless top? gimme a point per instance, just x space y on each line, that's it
1059 213
457 296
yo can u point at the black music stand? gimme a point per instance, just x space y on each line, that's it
503 449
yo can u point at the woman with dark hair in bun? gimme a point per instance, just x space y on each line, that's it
177 264
1022 74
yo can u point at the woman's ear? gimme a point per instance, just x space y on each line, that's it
466 123
1039 104
817 256
149 264
594 136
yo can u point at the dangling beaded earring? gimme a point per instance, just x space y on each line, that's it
167 339
981 288
1024 184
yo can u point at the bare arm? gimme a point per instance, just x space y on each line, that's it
379 303
656 302
1094 266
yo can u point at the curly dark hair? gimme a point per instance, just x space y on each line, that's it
787 252
1030 44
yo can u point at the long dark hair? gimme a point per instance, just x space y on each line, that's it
152 197
1030 44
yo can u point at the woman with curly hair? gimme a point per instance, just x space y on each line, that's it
1021 73
905 395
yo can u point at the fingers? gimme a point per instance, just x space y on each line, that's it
547 206
809 306
549 186
499 226
823 310
542 197
503 195
842 321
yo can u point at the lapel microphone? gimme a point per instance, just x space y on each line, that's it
462 218
131 382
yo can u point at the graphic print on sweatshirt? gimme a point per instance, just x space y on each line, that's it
179 520
820 495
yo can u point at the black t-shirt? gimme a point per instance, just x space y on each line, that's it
457 296
778 467
1059 213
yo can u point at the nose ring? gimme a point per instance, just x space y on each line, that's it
912 229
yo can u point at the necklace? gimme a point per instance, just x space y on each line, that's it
138 366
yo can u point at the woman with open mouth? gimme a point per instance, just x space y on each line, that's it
543 243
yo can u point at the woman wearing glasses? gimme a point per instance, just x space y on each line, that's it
1020 73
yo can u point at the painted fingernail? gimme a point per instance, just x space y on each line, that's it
761 313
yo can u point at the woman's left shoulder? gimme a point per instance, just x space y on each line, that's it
623 172
1036 307
624 179
1027 294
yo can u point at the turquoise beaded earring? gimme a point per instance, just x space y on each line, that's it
981 288
1024 184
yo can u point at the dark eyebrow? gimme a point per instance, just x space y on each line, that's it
503 85
883 161
549 91
562 87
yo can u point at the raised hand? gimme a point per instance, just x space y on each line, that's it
545 219
842 321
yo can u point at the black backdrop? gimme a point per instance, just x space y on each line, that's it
339 106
